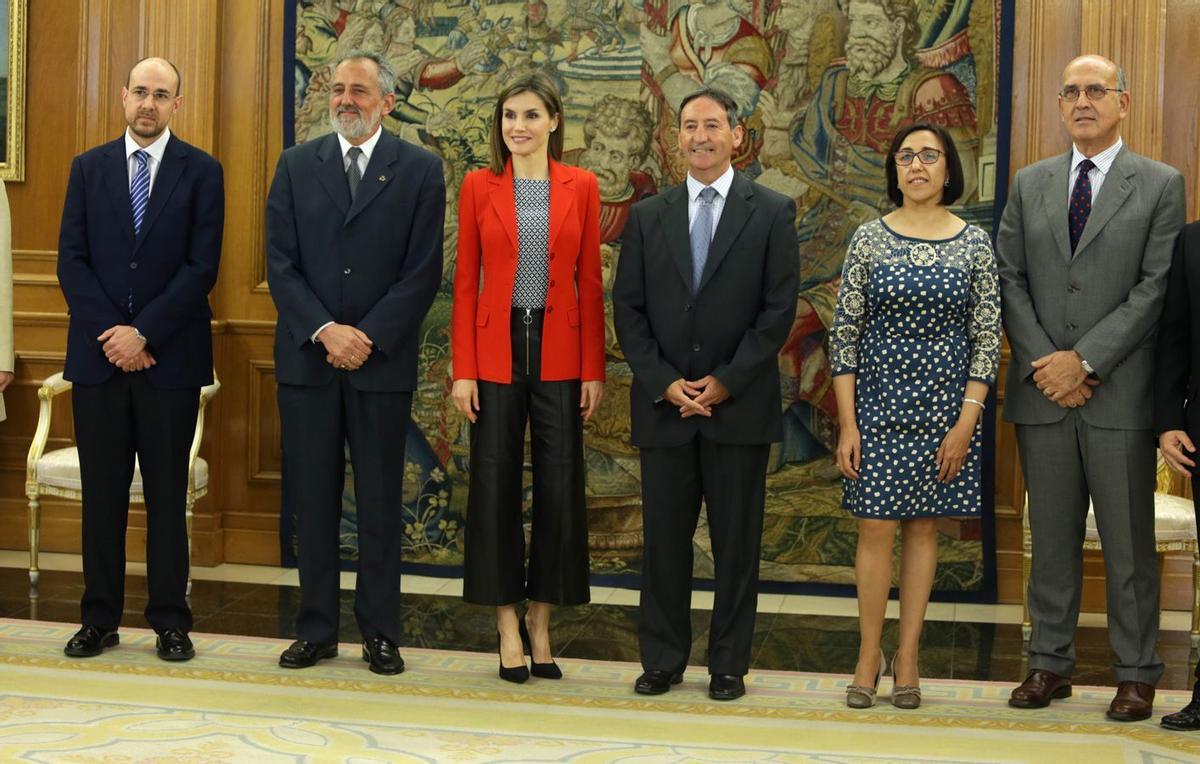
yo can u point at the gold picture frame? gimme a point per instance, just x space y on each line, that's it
12 87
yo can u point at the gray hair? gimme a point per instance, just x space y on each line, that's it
1122 84
387 75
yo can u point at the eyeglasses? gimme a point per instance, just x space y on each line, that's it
927 156
1070 93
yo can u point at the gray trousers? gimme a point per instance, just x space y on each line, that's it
1064 463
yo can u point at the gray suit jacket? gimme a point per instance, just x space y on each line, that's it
1104 301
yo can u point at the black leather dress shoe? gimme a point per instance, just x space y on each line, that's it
1186 719
90 641
382 656
726 687
301 654
174 645
655 682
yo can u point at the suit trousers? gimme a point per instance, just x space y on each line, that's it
731 481
494 571
316 422
1065 463
115 421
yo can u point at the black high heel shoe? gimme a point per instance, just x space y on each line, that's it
540 670
516 674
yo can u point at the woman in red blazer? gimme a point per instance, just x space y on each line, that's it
529 346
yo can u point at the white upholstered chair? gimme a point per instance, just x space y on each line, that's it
56 473
1174 531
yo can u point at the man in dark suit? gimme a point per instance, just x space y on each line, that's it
704 296
1176 379
1084 248
137 257
354 256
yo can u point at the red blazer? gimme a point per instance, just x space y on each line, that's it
573 329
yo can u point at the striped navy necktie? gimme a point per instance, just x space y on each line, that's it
139 190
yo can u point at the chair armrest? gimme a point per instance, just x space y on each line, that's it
207 393
52 386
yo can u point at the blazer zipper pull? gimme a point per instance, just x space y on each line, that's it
527 320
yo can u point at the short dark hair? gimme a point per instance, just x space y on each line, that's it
541 86
723 99
954 171
139 62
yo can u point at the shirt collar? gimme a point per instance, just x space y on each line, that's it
1103 161
721 184
367 146
155 150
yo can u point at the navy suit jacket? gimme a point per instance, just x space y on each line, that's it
169 267
374 264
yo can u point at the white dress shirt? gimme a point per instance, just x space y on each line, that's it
1103 161
155 150
721 185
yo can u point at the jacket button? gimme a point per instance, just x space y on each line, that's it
347 271
551 255
1071 326
551 282
549 308
696 348
687 307
133 266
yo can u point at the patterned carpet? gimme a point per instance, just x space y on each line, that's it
233 704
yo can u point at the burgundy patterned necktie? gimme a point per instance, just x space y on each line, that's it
1081 202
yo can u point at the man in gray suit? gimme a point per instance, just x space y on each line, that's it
1084 249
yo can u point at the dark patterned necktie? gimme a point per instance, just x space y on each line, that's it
1081 202
353 174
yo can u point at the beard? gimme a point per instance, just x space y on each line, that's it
351 124
868 56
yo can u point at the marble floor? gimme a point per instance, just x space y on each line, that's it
792 632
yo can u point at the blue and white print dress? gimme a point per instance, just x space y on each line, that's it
915 320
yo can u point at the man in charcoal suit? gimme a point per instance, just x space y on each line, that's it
704 296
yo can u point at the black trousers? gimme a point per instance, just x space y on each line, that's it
731 479
494 554
115 421
315 424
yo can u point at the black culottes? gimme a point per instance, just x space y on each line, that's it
494 571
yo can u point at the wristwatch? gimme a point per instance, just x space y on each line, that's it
1086 367
140 336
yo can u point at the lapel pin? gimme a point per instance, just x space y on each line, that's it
382 178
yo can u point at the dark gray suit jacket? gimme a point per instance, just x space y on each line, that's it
374 264
732 328
1104 301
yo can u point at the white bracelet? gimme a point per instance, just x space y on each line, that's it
977 403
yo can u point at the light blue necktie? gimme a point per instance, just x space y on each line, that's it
139 190
702 235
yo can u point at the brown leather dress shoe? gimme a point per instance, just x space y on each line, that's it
1039 688
1133 702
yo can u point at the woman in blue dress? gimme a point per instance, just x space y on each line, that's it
914 346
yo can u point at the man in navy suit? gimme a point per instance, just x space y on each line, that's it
354 258
137 256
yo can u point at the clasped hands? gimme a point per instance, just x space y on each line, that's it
696 398
346 347
1061 378
124 349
